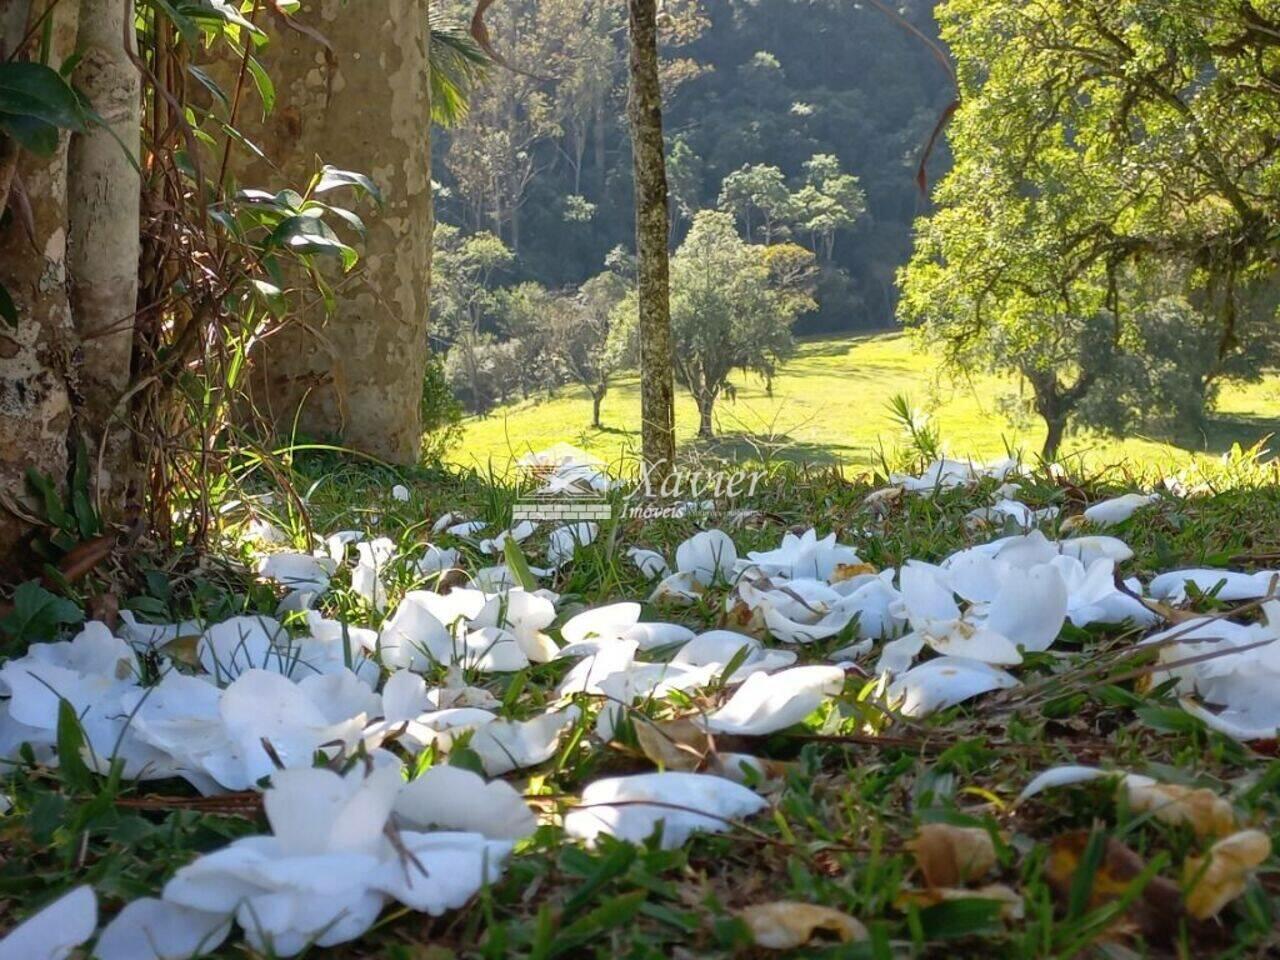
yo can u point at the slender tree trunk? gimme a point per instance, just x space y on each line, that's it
599 145
597 397
37 356
706 406
657 390
360 375
102 258
1053 439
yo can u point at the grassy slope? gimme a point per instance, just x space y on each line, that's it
829 405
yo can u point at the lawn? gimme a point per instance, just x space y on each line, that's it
829 405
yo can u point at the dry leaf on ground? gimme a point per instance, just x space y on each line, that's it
786 924
673 744
952 856
1155 913
1230 861
1208 814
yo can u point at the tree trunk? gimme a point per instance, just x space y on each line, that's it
596 400
102 256
360 376
706 406
657 390
599 135
37 356
1053 439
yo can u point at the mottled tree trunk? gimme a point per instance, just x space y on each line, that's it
102 256
657 390
597 398
37 356
358 373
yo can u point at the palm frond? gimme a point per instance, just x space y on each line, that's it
458 65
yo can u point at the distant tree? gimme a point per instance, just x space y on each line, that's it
524 314
464 300
1108 156
829 201
758 193
580 336
685 170
732 308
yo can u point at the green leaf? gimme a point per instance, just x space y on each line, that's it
37 614
72 770
519 566
960 918
262 80
34 90
185 25
54 512
33 135
612 913
331 178
304 234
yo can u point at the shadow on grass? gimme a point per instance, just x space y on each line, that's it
1222 431
741 446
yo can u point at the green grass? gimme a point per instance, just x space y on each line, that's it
829 406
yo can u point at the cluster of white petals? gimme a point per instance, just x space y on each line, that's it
258 702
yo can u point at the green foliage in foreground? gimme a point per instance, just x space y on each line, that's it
856 789
830 404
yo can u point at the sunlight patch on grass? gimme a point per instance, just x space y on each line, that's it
829 405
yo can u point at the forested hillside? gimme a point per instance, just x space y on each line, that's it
543 161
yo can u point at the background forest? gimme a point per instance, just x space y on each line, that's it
804 120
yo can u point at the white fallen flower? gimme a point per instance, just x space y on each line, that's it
436 560
1071 774
1027 609
1092 596
804 556
154 929
506 745
652 636
304 577
766 703
367 577
707 556
153 635
450 798
400 492
525 615
520 532
649 562
564 541
465 529
227 649
679 587
1118 509
943 682
1229 585
56 930
324 873
683 803
95 673
596 628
